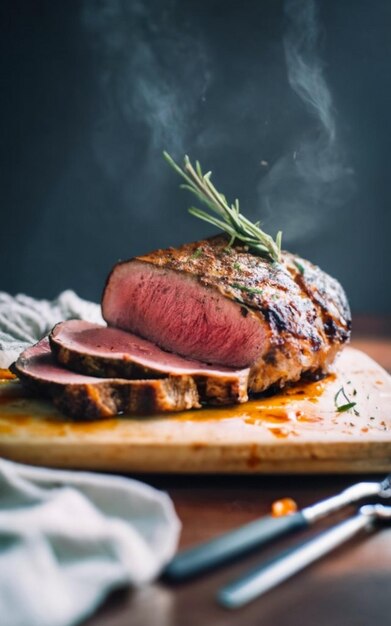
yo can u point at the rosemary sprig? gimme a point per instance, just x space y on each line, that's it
346 406
229 219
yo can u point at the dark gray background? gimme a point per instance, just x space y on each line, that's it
92 92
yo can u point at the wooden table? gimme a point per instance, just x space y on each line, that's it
350 587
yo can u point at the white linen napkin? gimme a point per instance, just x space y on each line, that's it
25 320
68 538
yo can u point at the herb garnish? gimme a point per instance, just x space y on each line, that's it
248 289
299 266
346 406
229 219
197 252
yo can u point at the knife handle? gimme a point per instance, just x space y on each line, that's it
260 580
235 543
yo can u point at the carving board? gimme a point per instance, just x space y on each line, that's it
299 430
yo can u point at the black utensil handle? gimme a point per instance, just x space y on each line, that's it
232 544
284 565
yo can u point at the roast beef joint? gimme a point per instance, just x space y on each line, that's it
204 323
226 306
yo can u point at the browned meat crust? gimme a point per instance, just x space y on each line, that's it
220 388
306 310
91 398
115 397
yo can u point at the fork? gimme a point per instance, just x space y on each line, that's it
242 540
272 573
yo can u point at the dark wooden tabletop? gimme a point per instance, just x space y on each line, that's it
350 587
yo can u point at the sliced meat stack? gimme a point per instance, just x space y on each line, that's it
226 306
100 351
91 371
203 323
89 397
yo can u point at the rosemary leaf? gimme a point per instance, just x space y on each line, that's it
299 267
248 289
197 252
229 219
202 215
346 407
347 404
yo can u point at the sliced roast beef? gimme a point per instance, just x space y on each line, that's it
102 351
226 306
87 397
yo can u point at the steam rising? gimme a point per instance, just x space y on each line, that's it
304 188
154 77
154 73
305 72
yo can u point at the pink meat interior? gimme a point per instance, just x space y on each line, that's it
38 363
101 341
175 311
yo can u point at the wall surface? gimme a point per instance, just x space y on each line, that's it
288 103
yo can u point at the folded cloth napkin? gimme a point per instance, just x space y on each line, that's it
25 320
68 538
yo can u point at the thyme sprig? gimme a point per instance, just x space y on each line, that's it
229 219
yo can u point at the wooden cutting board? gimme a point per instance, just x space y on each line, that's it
298 431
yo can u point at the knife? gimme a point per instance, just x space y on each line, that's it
244 539
272 573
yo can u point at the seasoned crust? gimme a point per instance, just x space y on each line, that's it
306 310
116 397
219 387
239 275
86 397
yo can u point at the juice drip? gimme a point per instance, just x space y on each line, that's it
6 375
285 506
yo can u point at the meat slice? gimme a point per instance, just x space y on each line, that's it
87 397
226 306
101 351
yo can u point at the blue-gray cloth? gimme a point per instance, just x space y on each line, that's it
25 320
68 538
